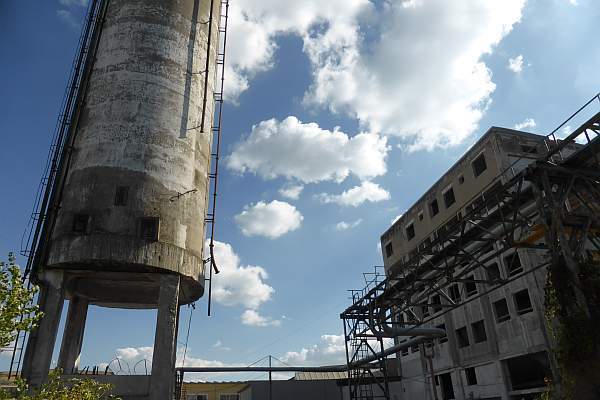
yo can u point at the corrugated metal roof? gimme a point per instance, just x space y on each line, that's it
315 376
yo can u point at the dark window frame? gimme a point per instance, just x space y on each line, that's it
503 317
389 250
454 293
520 307
409 229
471 376
478 331
513 268
462 337
121 196
434 208
470 287
81 224
149 228
449 197
496 275
479 165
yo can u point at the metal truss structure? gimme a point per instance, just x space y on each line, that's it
553 206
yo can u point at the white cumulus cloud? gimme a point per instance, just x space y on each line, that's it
253 318
308 153
516 64
527 123
255 25
343 225
330 350
425 82
421 80
291 192
367 191
269 219
238 284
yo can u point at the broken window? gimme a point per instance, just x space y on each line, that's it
80 224
523 302
449 198
470 287
479 165
149 228
461 179
410 231
493 272
447 386
501 310
528 371
478 329
462 337
389 250
513 264
454 293
420 215
471 376
434 209
121 195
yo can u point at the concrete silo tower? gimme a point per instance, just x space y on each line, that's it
125 225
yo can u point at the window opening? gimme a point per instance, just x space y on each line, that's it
121 195
434 208
513 264
478 329
454 293
80 223
462 337
449 197
149 228
501 310
470 287
389 250
523 302
410 231
493 272
471 376
479 165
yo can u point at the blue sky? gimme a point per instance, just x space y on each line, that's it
356 106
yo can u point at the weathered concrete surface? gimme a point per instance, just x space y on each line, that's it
70 349
165 339
140 129
38 355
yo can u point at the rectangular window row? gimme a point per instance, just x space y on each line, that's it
148 227
522 303
479 165
477 332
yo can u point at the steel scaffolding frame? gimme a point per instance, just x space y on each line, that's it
553 206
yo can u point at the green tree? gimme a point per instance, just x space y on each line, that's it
19 313
17 310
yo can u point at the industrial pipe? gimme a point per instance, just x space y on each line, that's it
327 368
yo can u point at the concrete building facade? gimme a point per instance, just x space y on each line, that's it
497 344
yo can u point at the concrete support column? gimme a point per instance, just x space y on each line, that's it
40 345
165 339
72 340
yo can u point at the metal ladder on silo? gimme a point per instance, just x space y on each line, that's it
32 236
216 131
